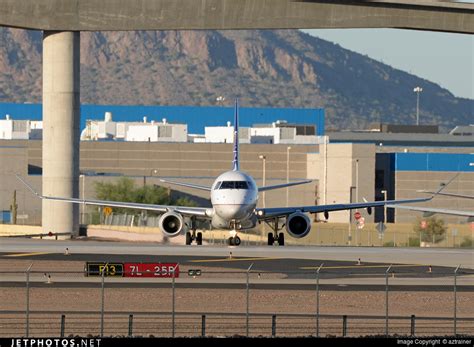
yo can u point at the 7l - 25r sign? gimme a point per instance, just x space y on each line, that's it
151 270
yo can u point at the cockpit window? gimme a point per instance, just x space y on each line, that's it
234 185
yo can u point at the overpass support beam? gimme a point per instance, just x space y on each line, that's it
61 116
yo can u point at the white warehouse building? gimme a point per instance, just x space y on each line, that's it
20 129
279 132
134 131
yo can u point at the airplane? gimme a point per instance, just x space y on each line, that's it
234 198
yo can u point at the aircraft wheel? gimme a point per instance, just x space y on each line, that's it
199 238
271 239
188 238
231 241
236 240
281 239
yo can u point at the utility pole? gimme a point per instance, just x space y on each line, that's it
14 208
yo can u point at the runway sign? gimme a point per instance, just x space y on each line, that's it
110 269
151 270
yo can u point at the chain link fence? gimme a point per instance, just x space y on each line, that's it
321 302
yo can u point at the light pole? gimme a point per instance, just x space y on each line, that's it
287 172
384 192
83 178
263 158
357 181
418 90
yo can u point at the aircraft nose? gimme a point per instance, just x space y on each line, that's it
231 211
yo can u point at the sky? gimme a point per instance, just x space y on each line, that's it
444 58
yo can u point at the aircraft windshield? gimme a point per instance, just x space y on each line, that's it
234 185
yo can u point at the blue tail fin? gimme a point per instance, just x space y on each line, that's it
235 162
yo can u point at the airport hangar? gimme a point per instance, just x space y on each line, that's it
345 166
62 22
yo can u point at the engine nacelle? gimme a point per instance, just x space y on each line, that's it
171 224
298 225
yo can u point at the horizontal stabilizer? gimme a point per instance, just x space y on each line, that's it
284 185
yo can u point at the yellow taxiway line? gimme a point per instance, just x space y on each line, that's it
228 259
26 254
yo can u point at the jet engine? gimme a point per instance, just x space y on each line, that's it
171 224
298 225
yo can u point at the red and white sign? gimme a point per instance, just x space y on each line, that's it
151 270
357 215
423 224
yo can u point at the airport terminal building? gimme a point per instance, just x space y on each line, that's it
345 167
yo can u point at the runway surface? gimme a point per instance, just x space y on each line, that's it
272 267
420 256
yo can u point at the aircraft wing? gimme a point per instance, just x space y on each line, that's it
448 194
431 210
278 186
189 185
186 211
266 213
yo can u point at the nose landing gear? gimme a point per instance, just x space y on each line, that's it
234 240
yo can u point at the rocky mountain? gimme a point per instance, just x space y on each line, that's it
282 68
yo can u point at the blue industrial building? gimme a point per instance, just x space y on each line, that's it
195 117
453 162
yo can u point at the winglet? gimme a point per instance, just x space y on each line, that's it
235 162
30 188
443 185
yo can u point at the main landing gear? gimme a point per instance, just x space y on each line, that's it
193 235
275 236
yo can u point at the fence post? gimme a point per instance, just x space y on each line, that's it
412 325
63 324
344 326
455 299
102 301
248 299
130 325
386 299
274 322
203 325
28 300
317 299
173 302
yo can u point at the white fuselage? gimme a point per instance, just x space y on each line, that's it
234 196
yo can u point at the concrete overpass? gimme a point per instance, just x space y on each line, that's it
90 15
62 21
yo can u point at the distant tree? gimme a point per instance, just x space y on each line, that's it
126 191
435 230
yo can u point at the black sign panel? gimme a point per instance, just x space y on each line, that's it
110 269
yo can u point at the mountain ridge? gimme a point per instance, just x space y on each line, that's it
263 68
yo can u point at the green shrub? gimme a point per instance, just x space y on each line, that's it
414 242
468 242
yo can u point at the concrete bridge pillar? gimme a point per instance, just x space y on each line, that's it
61 117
